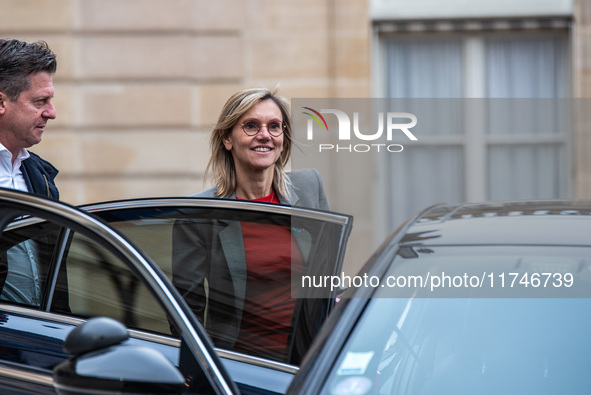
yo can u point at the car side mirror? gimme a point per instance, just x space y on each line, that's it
104 362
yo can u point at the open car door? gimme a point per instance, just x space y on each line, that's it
214 250
60 266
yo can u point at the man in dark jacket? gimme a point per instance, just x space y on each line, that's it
26 93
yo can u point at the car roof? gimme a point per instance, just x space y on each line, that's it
507 223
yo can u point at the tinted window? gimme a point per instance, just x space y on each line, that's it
238 270
100 284
26 255
90 280
86 275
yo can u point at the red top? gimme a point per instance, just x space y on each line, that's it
268 308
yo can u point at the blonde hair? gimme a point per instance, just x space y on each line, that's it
221 162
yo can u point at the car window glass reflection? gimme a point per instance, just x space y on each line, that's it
22 283
236 276
238 271
25 259
99 284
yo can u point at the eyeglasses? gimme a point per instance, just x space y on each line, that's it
252 126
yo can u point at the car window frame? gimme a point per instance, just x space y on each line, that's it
16 204
343 220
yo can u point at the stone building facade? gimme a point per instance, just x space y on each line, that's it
140 83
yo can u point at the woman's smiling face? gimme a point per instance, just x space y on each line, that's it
261 151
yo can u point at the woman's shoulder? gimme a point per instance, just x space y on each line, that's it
307 189
304 176
208 193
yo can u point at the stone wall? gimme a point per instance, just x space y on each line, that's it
140 82
582 89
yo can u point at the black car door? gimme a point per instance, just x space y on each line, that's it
61 266
208 236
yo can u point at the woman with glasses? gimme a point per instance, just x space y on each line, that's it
251 145
248 265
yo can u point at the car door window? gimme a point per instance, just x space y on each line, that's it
88 269
90 280
239 268
97 283
26 256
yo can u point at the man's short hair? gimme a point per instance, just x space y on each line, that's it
19 60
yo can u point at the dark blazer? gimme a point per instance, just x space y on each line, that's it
40 176
212 252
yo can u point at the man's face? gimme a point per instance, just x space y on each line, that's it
22 121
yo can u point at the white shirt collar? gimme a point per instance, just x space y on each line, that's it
11 175
22 155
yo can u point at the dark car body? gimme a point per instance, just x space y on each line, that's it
512 317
